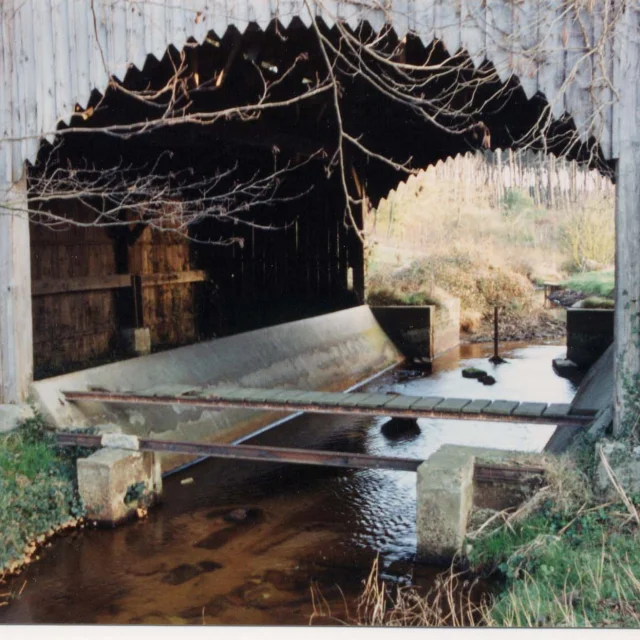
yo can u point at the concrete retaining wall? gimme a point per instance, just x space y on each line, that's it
446 332
421 333
329 352
589 334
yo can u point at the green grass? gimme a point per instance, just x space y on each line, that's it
564 568
385 296
597 302
37 488
593 283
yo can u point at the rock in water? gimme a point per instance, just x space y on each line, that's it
565 368
488 380
244 515
400 428
472 372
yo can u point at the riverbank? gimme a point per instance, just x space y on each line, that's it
568 557
38 494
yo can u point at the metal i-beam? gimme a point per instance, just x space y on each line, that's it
483 471
257 453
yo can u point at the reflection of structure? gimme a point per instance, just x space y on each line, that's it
584 60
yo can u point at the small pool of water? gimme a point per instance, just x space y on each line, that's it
186 563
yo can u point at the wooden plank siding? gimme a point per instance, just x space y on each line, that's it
102 38
54 53
74 279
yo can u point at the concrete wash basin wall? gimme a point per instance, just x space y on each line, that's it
329 353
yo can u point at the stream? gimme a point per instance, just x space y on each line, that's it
191 562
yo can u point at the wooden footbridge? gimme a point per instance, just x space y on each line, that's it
358 403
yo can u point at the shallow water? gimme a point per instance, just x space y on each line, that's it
186 563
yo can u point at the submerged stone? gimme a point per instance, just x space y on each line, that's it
473 372
400 428
244 515
181 574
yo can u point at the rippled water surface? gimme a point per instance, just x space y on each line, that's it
187 563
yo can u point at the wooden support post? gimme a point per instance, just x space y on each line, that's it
16 330
138 301
627 309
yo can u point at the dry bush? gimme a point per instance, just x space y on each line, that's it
589 235
470 320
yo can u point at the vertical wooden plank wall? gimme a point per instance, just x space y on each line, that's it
72 328
169 310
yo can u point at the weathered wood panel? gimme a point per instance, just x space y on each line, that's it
16 343
169 308
77 45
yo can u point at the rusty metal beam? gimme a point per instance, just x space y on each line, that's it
482 471
257 453
222 403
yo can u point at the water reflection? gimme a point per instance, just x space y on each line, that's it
188 562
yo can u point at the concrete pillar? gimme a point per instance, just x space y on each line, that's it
444 502
627 311
117 480
16 330
137 342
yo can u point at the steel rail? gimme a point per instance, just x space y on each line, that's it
195 401
482 472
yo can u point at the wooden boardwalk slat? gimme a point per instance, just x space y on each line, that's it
402 402
453 405
362 403
501 407
331 399
375 400
476 406
288 394
557 411
352 399
530 409
427 403
170 390
306 398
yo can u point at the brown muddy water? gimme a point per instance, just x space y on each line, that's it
187 563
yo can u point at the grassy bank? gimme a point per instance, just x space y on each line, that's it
566 559
37 491
593 283
562 559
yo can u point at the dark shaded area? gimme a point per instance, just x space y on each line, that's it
298 255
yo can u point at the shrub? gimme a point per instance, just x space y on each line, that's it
37 488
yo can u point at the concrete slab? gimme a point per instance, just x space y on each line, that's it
11 415
596 389
109 476
530 409
501 407
331 352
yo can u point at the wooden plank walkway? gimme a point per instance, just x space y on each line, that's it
359 403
